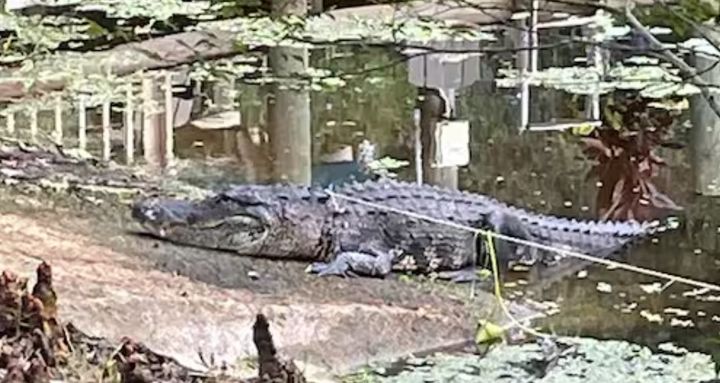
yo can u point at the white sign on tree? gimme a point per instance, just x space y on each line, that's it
447 71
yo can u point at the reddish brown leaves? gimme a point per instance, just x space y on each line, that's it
626 162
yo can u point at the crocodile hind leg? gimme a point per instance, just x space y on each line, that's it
506 251
367 261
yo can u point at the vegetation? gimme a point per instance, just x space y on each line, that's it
360 91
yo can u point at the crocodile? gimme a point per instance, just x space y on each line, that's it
363 229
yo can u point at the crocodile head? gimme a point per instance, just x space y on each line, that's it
242 225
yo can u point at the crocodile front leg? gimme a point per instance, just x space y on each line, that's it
366 261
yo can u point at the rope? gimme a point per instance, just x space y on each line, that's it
570 253
498 293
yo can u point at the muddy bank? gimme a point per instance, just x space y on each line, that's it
185 301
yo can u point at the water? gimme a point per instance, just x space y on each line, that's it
545 172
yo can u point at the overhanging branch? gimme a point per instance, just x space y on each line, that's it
665 53
159 53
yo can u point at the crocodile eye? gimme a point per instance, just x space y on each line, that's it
150 213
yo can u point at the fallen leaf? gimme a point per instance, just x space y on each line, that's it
629 308
604 287
488 332
681 323
676 312
652 287
653 318
695 292
672 349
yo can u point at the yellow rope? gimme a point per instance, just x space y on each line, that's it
494 262
498 294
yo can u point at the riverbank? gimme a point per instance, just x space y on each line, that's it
181 301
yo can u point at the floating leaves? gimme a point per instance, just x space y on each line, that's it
324 29
651 317
675 322
672 349
628 308
676 311
604 287
649 81
589 361
652 288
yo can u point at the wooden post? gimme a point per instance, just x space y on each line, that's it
33 124
152 124
129 132
58 120
431 111
289 109
523 63
82 124
11 123
534 36
169 120
106 130
595 58
417 115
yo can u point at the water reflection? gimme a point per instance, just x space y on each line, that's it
545 172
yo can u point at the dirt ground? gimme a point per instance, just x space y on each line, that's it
184 301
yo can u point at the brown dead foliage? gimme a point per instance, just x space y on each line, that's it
627 162
36 347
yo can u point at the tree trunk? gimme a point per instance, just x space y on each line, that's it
289 109
431 109
706 135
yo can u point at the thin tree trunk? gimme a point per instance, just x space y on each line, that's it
706 135
289 109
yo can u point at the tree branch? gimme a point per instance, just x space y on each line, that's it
669 56
158 53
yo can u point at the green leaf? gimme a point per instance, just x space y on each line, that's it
484 273
488 333
582 129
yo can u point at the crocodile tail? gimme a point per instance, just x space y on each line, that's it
595 238
599 238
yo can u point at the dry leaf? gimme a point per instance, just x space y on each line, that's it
604 287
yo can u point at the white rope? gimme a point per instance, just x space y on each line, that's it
575 254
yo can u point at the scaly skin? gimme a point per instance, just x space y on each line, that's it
345 237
